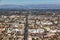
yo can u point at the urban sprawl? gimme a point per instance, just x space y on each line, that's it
29 25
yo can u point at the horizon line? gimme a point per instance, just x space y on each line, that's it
25 4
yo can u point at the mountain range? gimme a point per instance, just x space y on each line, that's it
35 6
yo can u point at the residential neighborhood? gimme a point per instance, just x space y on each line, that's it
39 27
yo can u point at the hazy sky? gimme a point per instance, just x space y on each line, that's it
25 2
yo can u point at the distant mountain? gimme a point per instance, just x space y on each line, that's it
37 6
10 6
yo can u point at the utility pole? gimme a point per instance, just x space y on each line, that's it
26 28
